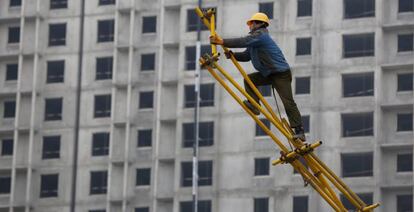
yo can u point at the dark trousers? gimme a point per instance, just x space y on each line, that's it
282 82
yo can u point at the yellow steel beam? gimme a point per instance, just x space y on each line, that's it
296 164
213 32
371 207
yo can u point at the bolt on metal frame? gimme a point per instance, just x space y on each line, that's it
319 176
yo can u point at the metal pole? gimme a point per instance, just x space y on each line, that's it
196 116
77 116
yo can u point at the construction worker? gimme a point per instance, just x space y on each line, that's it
268 59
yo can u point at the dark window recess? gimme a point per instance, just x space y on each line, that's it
5 185
53 109
300 203
58 4
106 2
146 99
102 106
149 24
9 109
303 46
405 122
361 84
148 62
358 45
190 56
57 34
104 68
14 35
98 182
304 8
7 147
405 162
357 164
302 85
206 95
405 6
11 71
144 138
405 42
259 130
265 90
49 185
106 30
51 147
143 177
359 8
357 124
405 82
266 8
405 203
365 197
306 123
15 3
142 209
261 204
205 173
100 144
261 166
55 71
206 134
202 206
193 20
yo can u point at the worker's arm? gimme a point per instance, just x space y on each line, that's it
251 40
242 56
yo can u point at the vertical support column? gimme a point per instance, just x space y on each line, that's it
33 110
128 109
17 114
113 102
157 108
78 108
196 115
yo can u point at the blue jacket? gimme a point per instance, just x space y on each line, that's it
264 53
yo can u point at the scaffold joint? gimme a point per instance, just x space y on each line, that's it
208 60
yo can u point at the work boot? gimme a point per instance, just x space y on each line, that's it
249 105
299 133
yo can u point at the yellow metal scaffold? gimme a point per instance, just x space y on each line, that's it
320 177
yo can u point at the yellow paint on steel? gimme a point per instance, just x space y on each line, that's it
370 207
213 33
353 199
349 194
315 184
319 174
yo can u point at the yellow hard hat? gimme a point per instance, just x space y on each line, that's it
259 17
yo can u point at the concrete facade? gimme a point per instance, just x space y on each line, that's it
235 145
